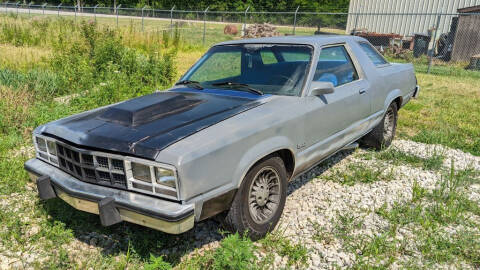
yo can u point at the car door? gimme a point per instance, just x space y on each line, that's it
335 119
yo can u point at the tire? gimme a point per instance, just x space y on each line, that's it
382 135
263 193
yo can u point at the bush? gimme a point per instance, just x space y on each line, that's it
100 61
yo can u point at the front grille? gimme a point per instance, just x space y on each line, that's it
98 169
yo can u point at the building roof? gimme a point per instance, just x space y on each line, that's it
472 9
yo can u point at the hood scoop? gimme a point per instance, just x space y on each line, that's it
146 125
149 108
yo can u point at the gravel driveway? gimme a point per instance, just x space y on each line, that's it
315 205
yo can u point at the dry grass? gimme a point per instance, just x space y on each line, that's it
186 59
22 58
15 108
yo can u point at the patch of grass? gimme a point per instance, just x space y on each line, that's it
235 252
322 235
446 112
359 173
436 223
276 242
432 212
396 157
23 58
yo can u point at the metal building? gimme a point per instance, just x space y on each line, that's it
404 17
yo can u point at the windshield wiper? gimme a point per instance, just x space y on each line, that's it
243 85
194 84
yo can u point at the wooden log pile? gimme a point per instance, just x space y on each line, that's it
260 30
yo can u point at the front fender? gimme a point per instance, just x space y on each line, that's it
257 152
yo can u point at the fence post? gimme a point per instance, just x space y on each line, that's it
16 5
295 20
43 7
356 23
434 43
95 12
29 4
58 9
75 9
143 18
205 23
6 5
117 12
171 17
245 21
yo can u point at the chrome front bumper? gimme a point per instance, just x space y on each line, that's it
113 205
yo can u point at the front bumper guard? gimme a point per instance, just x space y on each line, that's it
112 205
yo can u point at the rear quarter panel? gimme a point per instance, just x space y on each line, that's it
399 81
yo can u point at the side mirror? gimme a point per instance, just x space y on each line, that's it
321 88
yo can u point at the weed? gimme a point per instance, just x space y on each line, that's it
157 263
359 173
397 157
276 242
322 235
235 252
445 112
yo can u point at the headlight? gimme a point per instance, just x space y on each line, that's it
41 144
46 149
149 177
52 148
165 177
141 172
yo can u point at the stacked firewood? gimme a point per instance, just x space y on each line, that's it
260 30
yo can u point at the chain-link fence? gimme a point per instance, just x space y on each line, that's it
435 42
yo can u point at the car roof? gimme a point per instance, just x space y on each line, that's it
317 40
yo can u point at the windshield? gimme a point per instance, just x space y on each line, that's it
267 68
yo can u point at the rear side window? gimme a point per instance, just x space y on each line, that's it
373 54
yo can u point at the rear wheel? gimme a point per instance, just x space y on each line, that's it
259 202
382 135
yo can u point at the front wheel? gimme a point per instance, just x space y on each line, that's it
382 135
259 202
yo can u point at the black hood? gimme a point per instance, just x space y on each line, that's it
144 126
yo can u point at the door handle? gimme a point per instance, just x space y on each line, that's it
362 91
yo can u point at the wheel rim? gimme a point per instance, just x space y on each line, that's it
264 195
388 124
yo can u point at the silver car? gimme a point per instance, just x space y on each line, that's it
248 117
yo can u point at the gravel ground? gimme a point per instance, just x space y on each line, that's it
313 202
319 202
